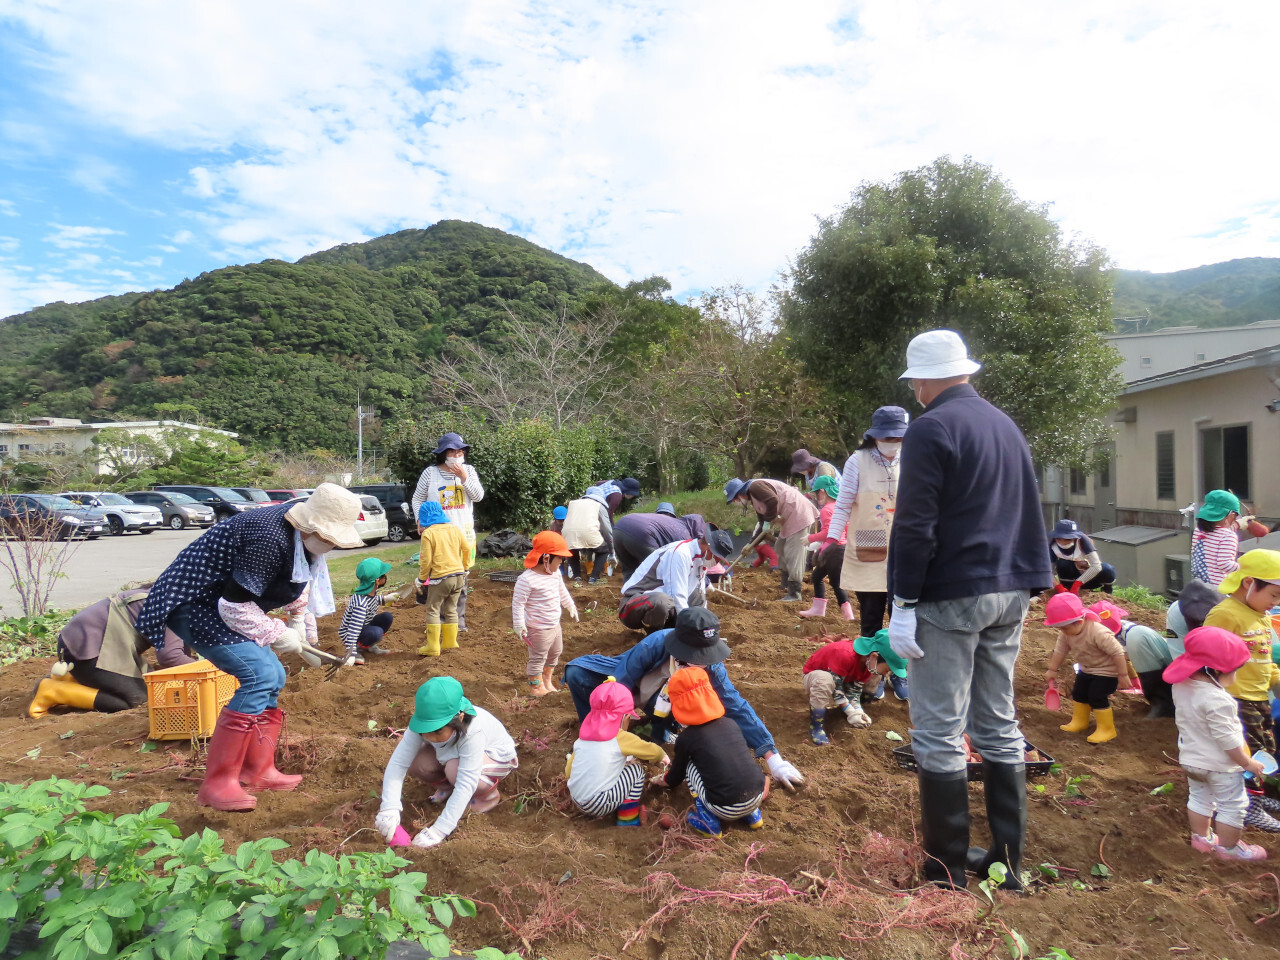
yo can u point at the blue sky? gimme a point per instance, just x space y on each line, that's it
145 142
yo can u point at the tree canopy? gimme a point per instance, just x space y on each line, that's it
952 245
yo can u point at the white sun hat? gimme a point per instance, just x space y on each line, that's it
938 355
329 512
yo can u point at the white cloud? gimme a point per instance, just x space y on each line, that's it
21 289
9 244
68 238
7 208
695 140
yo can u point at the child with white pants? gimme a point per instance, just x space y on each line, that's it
1211 745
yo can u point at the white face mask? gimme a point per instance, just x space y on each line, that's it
456 461
316 546
888 450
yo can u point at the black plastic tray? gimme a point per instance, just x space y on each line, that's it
1035 768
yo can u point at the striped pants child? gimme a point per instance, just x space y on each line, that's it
623 797
733 812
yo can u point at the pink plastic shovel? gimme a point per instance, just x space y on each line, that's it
401 837
1052 699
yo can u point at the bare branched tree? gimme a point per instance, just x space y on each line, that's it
555 368
34 550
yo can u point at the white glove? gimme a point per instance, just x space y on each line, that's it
856 716
782 771
573 614
349 660
428 837
902 633
760 527
815 547
386 822
309 658
524 635
298 623
289 641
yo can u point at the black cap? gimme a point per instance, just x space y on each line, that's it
720 542
1196 600
696 638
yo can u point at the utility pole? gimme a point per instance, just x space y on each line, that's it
361 413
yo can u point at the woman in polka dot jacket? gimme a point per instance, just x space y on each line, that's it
214 596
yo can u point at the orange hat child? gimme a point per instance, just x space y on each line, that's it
693 700
548 541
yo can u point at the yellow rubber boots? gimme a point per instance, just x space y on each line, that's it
448 636
1079 718
1106 727
60 692
432 647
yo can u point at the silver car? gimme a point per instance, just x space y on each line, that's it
120 514
177 509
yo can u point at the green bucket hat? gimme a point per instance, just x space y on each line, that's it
879 645
368 571
828 485
437 702
1217 504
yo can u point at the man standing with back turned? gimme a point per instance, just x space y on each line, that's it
966 553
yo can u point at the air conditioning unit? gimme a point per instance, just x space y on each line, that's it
1177 574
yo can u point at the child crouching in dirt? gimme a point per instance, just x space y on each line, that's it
362 625
712 757
1211 746
1100 656
606 768
462 751
535 609
836 673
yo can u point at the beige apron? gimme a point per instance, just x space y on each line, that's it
866 553
122 644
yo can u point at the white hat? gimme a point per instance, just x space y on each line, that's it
938 355
329 512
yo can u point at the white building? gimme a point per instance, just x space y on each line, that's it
1176 348
61 436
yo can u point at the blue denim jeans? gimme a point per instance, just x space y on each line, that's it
964 682
259 670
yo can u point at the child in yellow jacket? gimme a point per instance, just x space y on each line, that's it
442 577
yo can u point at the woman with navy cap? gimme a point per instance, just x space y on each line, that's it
1076 563
864 516
455 485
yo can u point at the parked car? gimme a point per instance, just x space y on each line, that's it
372 524
120 513
283 495
401 523
224 501
176 509
45 515
259 496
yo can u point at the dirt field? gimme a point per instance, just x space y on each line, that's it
828 874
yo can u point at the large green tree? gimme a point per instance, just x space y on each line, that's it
952 245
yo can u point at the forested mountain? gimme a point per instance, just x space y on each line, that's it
1216 295
276 350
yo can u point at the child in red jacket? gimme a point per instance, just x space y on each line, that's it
834 676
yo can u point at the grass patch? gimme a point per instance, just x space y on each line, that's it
1141 597
342 569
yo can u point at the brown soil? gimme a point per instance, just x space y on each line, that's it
825 876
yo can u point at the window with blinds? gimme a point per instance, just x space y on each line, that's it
1165 489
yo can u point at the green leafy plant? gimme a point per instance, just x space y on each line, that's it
1101 871
1072 790
997 873
1140 596
132 887
22 638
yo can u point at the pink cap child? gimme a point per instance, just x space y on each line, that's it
1211 746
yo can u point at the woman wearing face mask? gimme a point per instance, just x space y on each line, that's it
214 597
455 485
864 515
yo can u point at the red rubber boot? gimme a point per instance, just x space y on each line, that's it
259 771
227 747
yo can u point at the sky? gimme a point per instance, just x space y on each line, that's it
145 142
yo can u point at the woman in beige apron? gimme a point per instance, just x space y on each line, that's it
864 515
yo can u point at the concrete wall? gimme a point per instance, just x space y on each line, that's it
1175 348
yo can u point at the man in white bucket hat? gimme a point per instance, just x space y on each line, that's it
966 552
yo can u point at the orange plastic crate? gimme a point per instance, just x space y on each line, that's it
184 702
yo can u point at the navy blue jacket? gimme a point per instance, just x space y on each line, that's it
968 518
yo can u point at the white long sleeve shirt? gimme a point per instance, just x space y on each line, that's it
485 735
678 566
537 600
1208 725
457 497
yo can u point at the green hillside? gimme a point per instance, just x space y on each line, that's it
275 350
1216 295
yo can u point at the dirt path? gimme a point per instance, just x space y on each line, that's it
824 876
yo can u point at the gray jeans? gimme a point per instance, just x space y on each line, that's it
964 682
791 557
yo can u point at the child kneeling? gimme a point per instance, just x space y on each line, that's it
712 757
835 674
606 768
460 750
1211 746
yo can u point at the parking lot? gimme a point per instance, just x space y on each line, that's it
100 567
